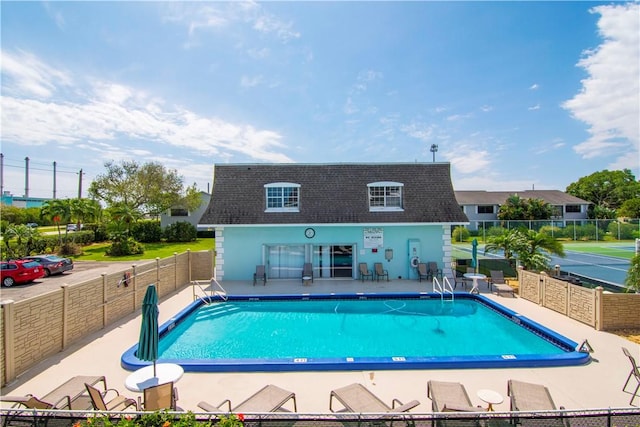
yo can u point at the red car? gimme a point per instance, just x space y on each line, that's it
20 271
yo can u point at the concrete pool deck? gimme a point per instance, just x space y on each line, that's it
595 385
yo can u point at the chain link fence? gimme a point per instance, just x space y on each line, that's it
592 229
575 418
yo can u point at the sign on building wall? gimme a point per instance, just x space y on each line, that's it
373 238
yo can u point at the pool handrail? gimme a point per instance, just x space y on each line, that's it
444 288
222 293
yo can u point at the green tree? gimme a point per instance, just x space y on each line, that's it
19 240
632 281
534 248
149 189
538 209
506 242
59 212
85 210
630 208
13 214
606 189
515 208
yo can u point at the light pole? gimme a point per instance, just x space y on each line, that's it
434 149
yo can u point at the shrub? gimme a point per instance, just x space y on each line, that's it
123 247
148 231
460 234
180 232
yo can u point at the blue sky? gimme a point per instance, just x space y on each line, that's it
516 95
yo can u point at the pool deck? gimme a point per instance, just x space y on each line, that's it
595 385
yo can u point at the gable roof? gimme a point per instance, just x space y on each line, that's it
553 197
332 193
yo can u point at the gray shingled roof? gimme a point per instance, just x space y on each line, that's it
332 193
553 197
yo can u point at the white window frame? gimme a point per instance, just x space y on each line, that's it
282 186
388 200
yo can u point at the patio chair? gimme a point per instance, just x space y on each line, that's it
270 398
357 398
450 397
364 271
458 279
635 372
434 271
260 274
530 397
159 397
307 271
496 279
423 271
117 403
380 271
69 395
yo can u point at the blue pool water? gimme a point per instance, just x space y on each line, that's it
356 332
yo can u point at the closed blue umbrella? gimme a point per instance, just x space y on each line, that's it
474 253
148 343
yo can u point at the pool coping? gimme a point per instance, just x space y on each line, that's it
572 356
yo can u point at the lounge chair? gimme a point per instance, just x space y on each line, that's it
117 403
270 398
496 279
357 398
364 271
434 271
380 271
423 271
530 397
307 271
260 274
450 397
159 397
635 372
69 395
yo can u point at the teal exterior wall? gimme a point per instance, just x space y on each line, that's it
240 249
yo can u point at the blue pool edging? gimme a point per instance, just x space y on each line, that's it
571 357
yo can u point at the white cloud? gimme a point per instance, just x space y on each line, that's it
534 107
468 158
24 74
247 82
112 111
609 101
534 86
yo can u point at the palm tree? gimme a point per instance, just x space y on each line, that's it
534 249
23 236
506 242
58 211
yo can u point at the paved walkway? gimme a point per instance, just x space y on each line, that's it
595 385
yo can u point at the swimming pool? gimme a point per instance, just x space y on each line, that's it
355 332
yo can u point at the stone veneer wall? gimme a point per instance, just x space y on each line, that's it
36 328
604 311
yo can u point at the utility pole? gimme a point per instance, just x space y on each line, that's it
54 180
80 184
26 177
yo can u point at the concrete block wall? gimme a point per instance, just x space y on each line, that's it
620 311
39 327
602 310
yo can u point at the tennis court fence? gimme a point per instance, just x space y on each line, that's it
592 229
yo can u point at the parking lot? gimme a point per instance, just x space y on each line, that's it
82 270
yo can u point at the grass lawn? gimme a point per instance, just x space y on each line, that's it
96 252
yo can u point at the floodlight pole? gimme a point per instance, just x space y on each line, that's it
434 149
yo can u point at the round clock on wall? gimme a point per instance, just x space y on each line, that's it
309 233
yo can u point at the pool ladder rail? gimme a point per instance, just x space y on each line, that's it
444 288
215 289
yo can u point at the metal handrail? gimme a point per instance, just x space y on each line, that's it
219 292
442 289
